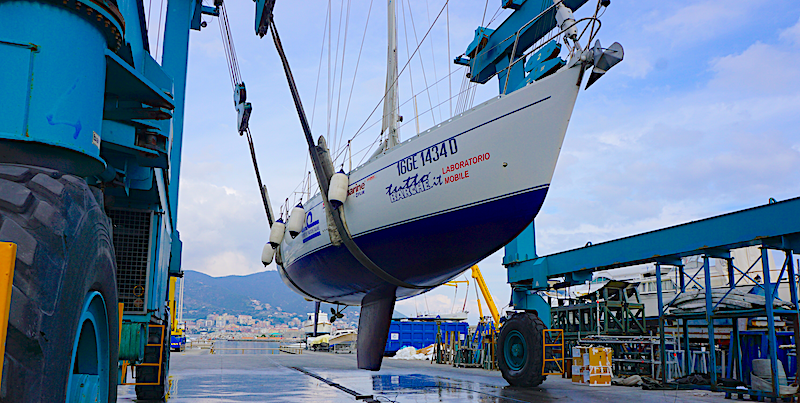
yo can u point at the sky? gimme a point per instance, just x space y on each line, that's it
701 118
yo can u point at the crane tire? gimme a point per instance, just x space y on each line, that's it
64 256
520 350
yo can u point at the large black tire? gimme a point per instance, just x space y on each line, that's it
64 253
520 350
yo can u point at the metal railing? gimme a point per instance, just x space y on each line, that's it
271 350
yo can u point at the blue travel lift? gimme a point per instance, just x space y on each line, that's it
774 226
91 131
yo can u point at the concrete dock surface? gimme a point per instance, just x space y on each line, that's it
197 376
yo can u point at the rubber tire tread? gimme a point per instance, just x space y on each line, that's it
530 326
64 251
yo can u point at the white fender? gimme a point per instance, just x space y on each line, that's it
566 21
276 234
337 193
267 253
296 220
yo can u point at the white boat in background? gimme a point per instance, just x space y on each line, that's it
341 336
323 325
448 317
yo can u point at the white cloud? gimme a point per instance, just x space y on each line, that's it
760 70
638 62
792 34
703 20
634 164
229 263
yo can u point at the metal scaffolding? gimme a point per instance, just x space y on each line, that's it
774 226
712 311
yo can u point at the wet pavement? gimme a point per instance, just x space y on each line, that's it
196 376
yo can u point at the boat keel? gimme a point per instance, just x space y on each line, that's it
373 327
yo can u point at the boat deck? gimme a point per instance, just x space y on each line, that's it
197 376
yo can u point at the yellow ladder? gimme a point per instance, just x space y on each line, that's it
556 349
126 364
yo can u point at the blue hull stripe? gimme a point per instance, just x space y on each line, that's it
355 236
425 252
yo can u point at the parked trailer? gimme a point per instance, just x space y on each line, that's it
91 129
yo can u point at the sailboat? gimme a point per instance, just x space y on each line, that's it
421 211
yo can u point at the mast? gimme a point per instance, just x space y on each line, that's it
389 126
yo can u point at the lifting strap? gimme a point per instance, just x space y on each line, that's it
315 152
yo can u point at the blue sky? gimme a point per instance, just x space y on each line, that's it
701 118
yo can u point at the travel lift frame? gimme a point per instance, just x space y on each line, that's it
493 52
773 226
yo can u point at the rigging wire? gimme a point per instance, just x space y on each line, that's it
355 72
402 104
335 66
449 63
149 7
328 83
494 16
401 71
410 75
158 33
227 48
341 75
424 76
319 73
442 103
433 56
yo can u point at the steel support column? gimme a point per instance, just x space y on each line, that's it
662 339
771 339
793 293
712 355
685 325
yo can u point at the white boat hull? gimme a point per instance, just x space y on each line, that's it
432 206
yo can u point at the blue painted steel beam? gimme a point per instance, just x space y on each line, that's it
174 61
500 42
776 225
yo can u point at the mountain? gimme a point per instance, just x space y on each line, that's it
261 295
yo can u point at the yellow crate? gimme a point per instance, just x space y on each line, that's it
577 374
600 356
600 376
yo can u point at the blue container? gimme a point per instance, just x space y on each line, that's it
52 84
420 334
754 345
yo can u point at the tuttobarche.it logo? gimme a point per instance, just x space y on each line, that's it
413 185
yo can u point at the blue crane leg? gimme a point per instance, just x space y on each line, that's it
52 88
175 59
